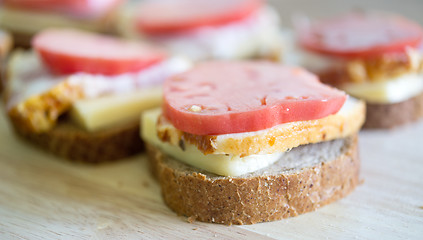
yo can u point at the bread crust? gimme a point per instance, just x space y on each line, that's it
71 142
250 199
394 114
21 40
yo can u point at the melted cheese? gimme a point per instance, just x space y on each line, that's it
221 164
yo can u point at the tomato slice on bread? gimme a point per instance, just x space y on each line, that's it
74 7
221 97
361 35
66 51
158 17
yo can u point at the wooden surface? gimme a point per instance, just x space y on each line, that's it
42 197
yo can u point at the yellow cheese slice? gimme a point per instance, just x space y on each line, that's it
390 91
98 113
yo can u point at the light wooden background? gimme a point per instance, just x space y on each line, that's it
42 197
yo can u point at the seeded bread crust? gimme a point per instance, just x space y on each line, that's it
395 114
71 142
307 178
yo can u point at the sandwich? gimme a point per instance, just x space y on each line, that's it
242 142
6 43
24 18
377 57
79 95
202 29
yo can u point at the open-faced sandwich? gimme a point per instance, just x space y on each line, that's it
203 29
79 95
247 142
24 18
377 57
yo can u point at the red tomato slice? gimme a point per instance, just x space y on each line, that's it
361 35
71 51
232 97
74 7
155 17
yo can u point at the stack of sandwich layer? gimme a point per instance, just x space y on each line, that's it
282 144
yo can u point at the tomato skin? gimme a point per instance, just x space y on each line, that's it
178 18
95 54
221 113
361 35
254 120
64 64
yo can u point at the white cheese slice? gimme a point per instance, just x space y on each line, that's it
221 164
99 113
391 91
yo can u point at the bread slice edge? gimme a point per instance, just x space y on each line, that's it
273 193
73 143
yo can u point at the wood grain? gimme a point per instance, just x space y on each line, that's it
42 197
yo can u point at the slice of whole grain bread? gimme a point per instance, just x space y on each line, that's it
394 114
72 142
305 178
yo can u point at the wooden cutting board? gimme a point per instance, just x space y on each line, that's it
42 197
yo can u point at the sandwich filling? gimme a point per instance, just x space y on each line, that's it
374 56
233 158
37 98
232 152
257 34
386 79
